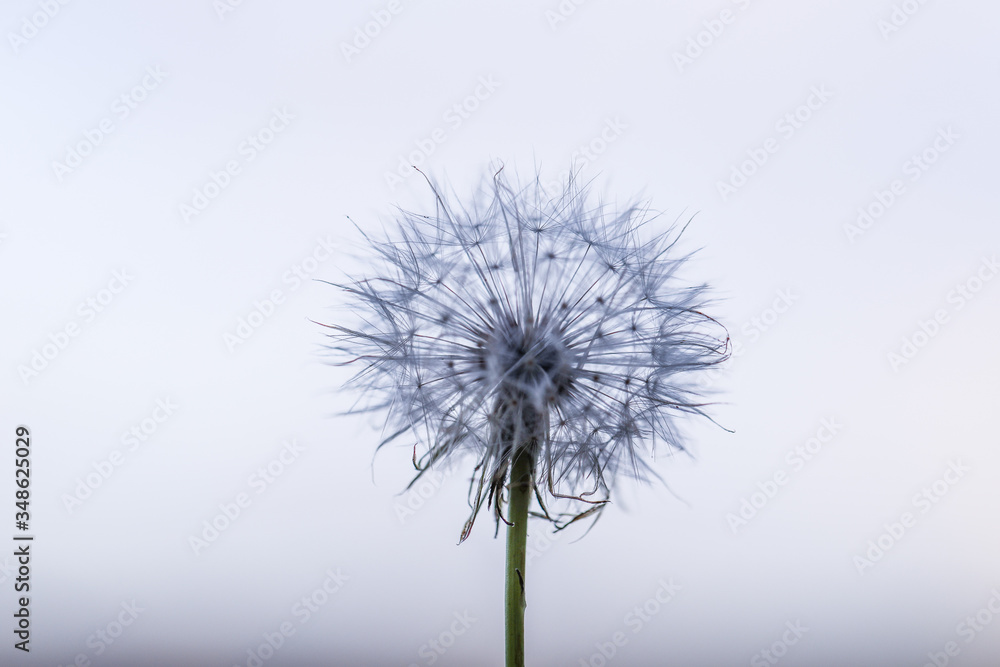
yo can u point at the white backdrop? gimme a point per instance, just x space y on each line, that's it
175 175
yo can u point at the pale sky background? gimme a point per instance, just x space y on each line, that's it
547 84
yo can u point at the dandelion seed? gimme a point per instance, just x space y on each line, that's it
541 335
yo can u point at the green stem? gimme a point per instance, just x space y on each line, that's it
517 538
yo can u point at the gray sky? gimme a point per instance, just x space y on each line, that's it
174 176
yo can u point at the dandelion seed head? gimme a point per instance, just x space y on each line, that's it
519 319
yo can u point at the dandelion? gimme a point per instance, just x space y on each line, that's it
539 334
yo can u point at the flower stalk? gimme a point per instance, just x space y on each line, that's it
517 540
